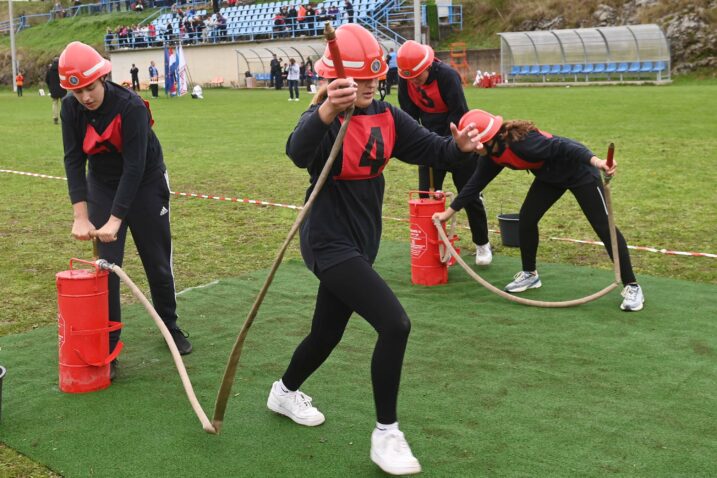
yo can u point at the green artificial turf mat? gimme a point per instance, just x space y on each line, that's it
489 388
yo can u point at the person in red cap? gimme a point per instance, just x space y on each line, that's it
558 164
340 236
117 179
432 93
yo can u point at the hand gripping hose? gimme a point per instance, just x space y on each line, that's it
542 303
233 362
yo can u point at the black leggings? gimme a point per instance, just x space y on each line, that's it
475 210
148 221
541 196
354 286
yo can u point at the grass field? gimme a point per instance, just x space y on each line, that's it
232 144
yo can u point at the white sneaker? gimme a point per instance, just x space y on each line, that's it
296 99
291 99
390 451
633 298
294 405
484 255
524 280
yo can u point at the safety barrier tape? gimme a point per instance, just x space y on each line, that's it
292 206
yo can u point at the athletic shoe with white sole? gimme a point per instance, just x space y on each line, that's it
633 298
524 280
484 255
295 405
390 451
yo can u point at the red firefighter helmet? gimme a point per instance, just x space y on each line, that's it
413 59
486 124
361 54
80 65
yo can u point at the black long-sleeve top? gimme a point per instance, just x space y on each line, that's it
443 81
345 221
555 160
116 140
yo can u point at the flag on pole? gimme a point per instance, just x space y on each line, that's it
170 71
175 71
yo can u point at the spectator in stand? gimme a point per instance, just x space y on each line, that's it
58 11
139 6
57 92
349 9
279 24
333 13
152 31
215 5
292 76
168 31
109 38
19 82
291 19
301 18
134 71
128 5
221 27
209 26
153 79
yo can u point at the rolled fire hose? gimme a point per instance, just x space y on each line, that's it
233 361
551 304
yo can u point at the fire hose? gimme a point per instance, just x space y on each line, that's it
551 304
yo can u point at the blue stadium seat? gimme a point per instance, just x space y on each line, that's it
646 67
525 70
634 67
555 70
566 69
600 69
534 70
515 70
545 70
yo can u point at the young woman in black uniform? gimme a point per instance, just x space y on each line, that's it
432 93
558 164
340 236
117 179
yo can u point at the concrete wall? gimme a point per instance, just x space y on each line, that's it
206 62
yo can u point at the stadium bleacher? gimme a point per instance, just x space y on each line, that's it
248 23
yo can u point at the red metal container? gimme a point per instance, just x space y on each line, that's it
83 329
426 265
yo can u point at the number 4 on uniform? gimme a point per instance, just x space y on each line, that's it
367 159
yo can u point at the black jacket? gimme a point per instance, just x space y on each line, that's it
116 140
345 221
52 78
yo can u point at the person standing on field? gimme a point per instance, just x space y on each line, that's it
153 79
19 82
432 93
558 164
57 92
117 179
292 76
341 234
134 71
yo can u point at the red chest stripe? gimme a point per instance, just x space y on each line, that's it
427 97
511 160
368 146
110 141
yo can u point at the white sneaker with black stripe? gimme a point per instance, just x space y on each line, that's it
295 405
633 298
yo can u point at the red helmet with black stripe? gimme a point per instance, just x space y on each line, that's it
486 123
361 54
413 59
80 65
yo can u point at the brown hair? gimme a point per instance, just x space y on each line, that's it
515 130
